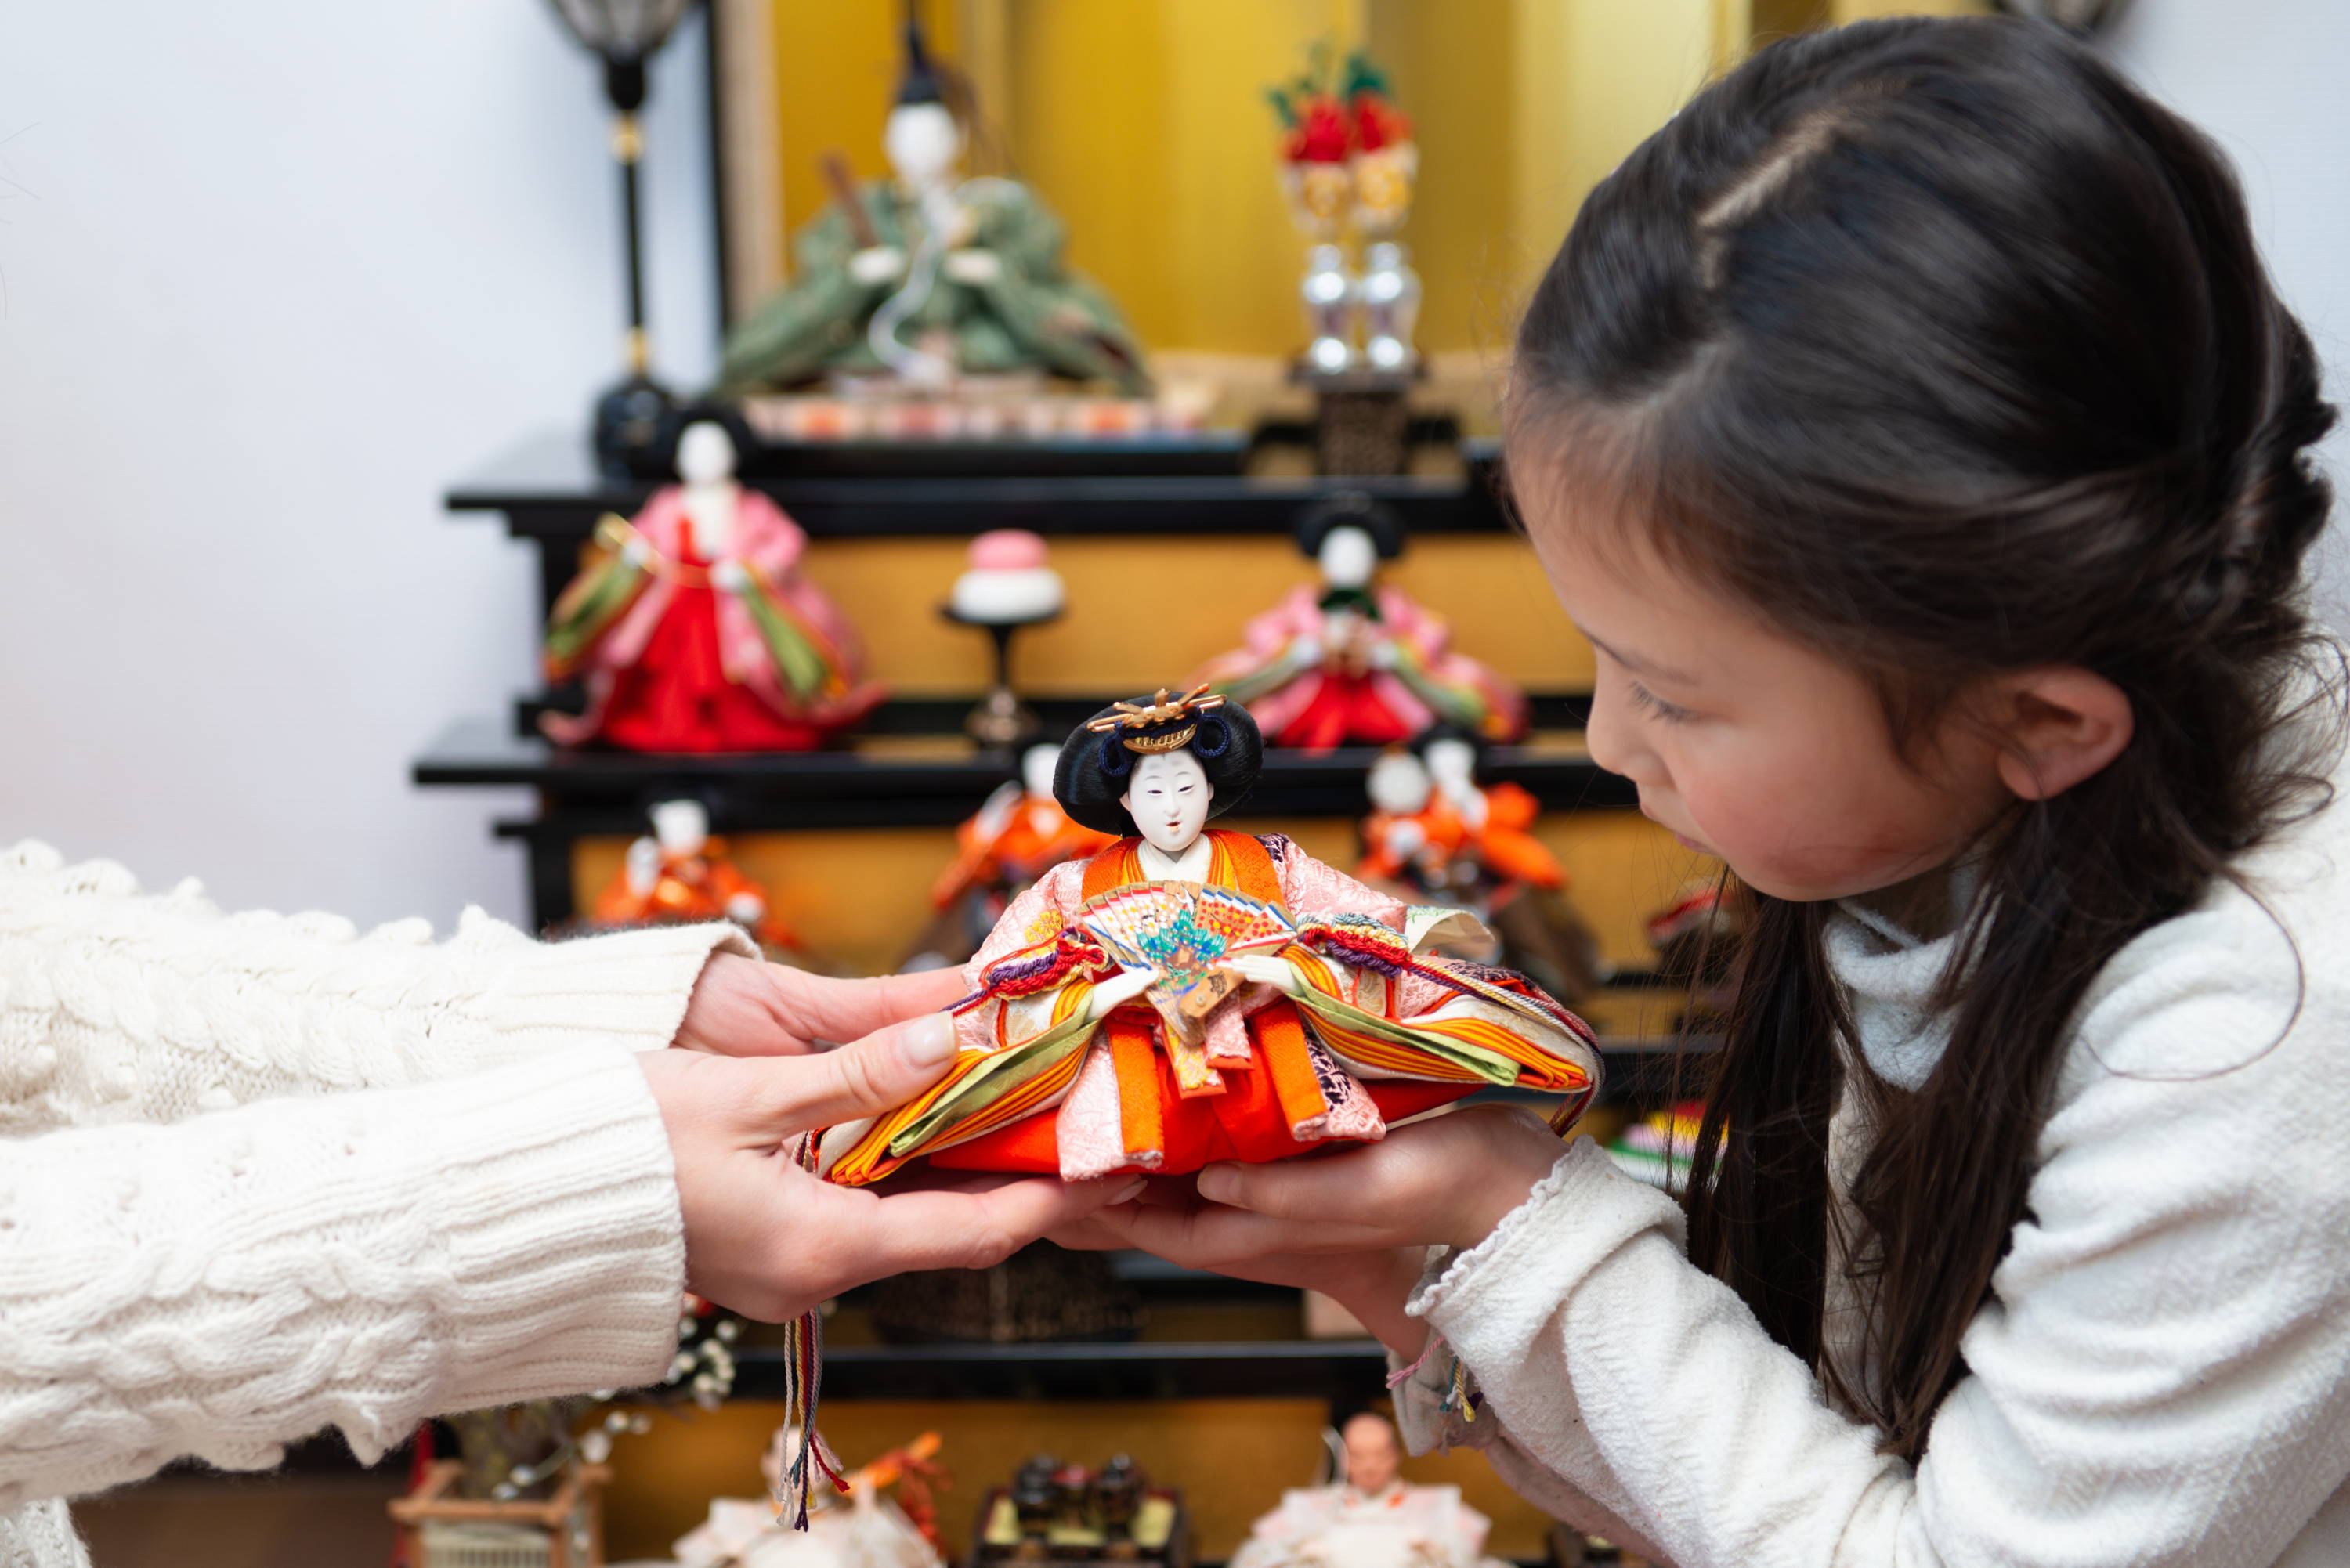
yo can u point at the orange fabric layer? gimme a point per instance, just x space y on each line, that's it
1136 1059
1199 1131
1240 861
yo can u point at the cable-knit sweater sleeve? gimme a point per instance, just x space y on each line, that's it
434 1176
119 1005
223 1285
2154 1379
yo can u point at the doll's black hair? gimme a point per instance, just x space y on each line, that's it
1351 510
1094 768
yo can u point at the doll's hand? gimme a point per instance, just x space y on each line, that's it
769 1239
637 552
1445 1182
729 577
1382 654
742 1007
643 867
746 909
1405 839
976 268
1265 968
1306 651
1116 991
877 264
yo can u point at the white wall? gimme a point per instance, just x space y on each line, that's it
275 273
2269 79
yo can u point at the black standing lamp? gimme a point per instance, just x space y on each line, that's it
626 34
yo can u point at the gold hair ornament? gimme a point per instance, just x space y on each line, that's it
1162 708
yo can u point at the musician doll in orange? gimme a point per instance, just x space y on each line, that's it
680 875
1436 833
1191 994
1017 836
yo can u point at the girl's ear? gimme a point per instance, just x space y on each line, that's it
2056 726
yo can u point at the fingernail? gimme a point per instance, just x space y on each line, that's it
929 1041
1129 1192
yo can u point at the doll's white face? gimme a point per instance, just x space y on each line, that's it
922 142
705 453
1452 764
680 826
1167 795
1372 1459
1037 765
1347 558
1398 783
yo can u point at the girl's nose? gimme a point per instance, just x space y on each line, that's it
1614 741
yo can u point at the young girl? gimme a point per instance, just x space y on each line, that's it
1913 430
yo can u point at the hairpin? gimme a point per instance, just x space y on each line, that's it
1162 708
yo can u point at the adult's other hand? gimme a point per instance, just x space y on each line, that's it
742 1007
770 1240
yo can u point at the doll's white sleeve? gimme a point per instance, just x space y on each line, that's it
120 1005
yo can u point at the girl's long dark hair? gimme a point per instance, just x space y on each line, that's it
1953 355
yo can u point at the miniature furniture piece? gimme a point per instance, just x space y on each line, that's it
565 1529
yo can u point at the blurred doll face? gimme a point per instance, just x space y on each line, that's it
1168 796
705 453
1037 765
1398 783
1347 558
1746 743
680 826
922 142
1372 1460
1454 764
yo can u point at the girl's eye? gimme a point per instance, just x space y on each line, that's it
1665 711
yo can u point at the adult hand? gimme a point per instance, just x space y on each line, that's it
742 1007
770 1240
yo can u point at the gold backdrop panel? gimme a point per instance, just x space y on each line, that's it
1146 611
859 896
1231 1458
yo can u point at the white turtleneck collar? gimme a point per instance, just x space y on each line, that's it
1890 978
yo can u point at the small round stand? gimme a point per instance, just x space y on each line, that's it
1002 722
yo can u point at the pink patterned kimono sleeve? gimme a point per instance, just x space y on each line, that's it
1309 888
1059 892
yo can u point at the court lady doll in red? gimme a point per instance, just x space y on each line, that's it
692 629
1191 994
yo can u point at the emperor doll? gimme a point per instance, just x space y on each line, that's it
1191 994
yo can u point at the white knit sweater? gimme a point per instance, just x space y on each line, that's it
262 1175
2161 1376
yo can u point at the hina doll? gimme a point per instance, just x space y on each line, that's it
1435 833
680 875
1018 834
1352 661
1191 994
858 1526
1372 1519
926 277
692 629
